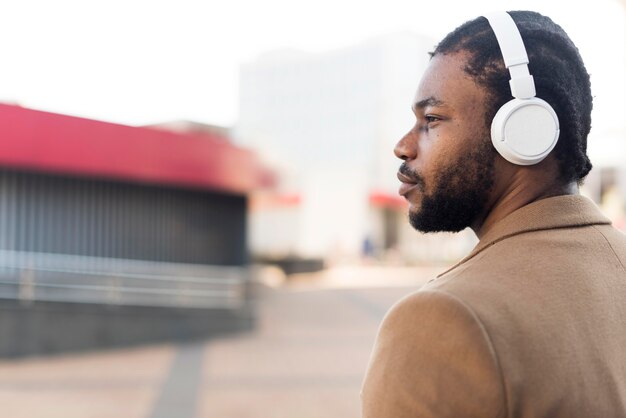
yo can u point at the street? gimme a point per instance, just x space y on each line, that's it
305 359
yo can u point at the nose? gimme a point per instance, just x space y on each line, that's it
406 148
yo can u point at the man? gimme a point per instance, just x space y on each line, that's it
532 323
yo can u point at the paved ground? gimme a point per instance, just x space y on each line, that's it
305 359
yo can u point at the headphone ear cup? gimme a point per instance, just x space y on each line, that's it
524 131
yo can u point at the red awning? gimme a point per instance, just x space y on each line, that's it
385 200
49 142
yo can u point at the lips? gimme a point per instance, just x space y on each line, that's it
407 185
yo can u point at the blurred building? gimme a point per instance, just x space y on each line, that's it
328 123
113 234
606 183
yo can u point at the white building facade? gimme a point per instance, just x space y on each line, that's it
328 124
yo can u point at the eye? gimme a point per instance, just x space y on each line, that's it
430 119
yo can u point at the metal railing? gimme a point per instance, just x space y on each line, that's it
30 276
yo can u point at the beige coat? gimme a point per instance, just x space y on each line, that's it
531 324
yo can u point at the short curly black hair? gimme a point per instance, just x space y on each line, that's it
560 76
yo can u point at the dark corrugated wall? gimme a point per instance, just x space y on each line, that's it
102 218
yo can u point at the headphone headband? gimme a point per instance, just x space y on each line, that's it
514 54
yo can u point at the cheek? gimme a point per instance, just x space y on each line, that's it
435 161
433 144
440 147
446 148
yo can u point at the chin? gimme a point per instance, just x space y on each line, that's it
437 216
429 227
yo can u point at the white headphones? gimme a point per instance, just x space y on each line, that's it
526 129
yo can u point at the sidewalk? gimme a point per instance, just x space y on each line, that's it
305 359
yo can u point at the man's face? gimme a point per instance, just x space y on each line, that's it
448 168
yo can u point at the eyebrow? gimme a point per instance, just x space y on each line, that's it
430 101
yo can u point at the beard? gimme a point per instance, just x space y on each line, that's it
461 192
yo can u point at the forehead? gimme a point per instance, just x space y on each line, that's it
445 81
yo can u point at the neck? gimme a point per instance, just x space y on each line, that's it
528 185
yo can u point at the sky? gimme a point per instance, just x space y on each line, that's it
146 61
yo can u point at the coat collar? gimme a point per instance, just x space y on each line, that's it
550 213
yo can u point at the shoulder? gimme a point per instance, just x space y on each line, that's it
437 304
432 357
437 321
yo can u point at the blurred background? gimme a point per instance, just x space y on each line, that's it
198 203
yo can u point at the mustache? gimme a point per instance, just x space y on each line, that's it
412 174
